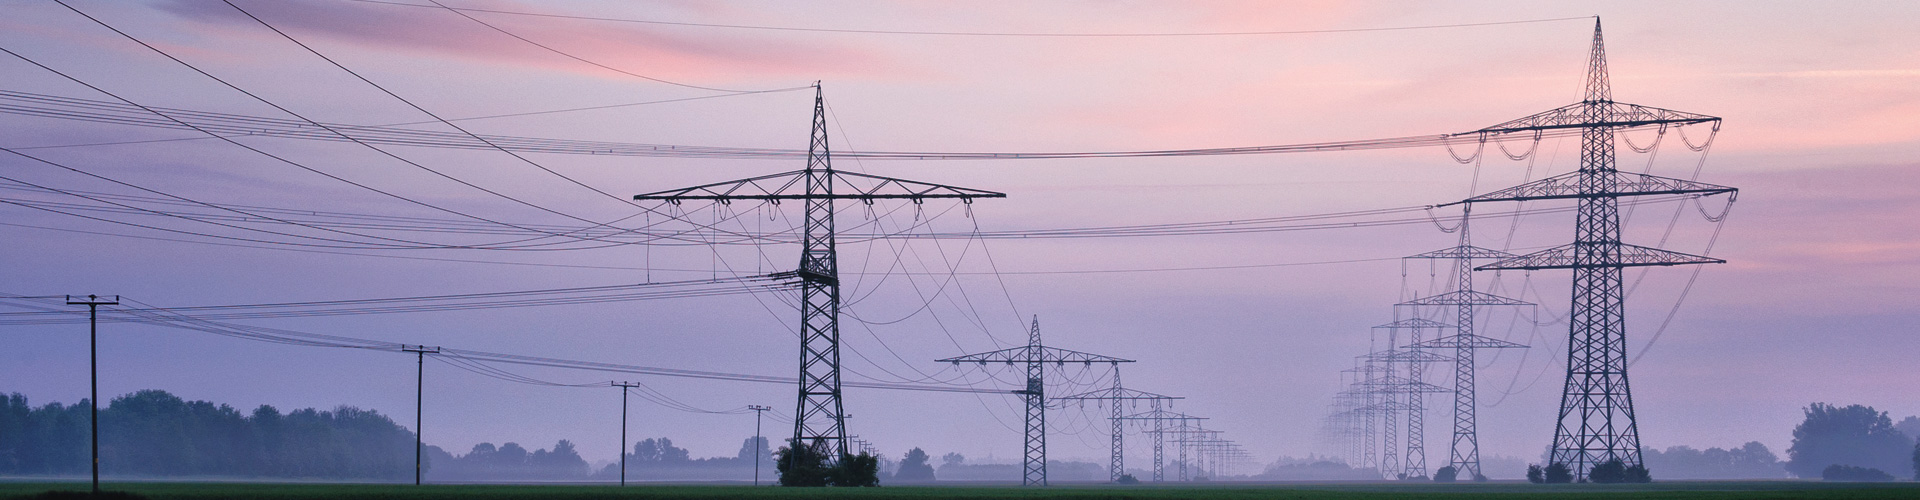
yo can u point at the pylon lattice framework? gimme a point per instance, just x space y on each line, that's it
819 415
1117 463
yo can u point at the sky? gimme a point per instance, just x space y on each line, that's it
1821 104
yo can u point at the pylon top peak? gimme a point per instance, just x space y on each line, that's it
1599 88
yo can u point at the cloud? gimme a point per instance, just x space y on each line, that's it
698 57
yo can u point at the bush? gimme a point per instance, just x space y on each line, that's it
1445 474
1558 473
1127 479
1837 472
802 465
1639 474
1608 472
1534 475
861 470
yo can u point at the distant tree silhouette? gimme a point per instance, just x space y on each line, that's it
1535 475
1639 474
800 465
1916 461
1752 460
1559 473
1853 435
861 470
914 467
1445 474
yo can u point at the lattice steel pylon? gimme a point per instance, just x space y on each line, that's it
1596 420
1465 449
1035 355
1113 396
820 415
1412 388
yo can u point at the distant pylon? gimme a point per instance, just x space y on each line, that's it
1465 455
1114 396
1596 421
1035 356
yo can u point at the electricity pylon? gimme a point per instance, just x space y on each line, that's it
819 417
1117 464
1156 421
1596 422
1035 356
1411 388
1465 450
1462 300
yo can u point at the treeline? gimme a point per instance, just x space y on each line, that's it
153 433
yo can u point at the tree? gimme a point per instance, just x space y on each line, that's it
954 458
1837 472
914 467
1559 473
1853 435
861 470
1445 474
800 465
1534 475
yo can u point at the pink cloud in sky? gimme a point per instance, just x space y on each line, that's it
666 53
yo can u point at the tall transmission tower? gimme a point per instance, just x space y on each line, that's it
1114 396
1465 450
1156 422
1035 355
819 417
1596 422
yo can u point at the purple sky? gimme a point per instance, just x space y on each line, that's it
1822 109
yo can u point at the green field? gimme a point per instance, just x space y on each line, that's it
1673 490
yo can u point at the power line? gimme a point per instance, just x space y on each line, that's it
979 33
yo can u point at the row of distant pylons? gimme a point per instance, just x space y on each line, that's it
1596 422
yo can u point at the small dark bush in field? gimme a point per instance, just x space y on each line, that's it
1559 473
1837 472
1535 475
1127 479
1445 474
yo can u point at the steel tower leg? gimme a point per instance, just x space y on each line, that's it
1466 439
820 418
1596 408
1119 461
1159 441
1416 417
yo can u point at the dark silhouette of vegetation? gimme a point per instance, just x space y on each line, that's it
153 433
1852 435
914 468
1916 461
1639 474
1127 479
1445 474
1839 472
1750 461
486 462
1535 475
85 495
807 466
1611 471
1558 473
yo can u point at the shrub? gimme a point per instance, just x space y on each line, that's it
1558 473
1639 474
1608 472
1837 472
1534 475
1445 474
1127 479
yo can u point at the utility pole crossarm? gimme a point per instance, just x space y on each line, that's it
1465 297
1467 341
1413 323
1406 356
1117 393
1578 185
847 186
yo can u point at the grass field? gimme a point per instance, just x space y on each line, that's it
1663 490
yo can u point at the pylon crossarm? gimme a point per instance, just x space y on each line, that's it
1118 393
847 186
1599 256
1463 252
1026 354
1573 185
1415 323
1397 384
1465 297
1399 356
1468 341
1591 114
